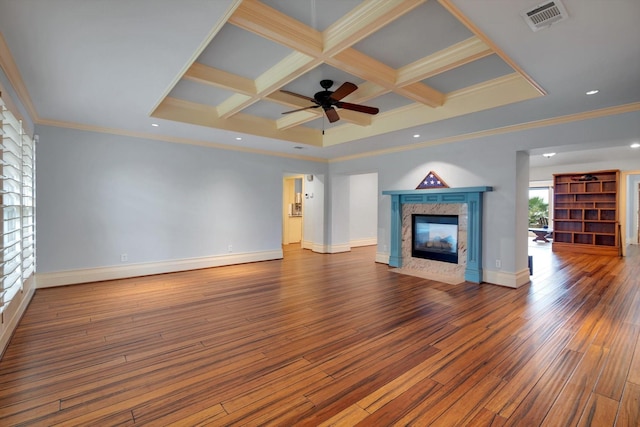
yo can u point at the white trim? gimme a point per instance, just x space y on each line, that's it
14 314
70 277
335 249
307 244
510 280
319 248
382 257
363 242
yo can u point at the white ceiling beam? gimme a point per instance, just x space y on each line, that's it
206 115
444 60
274 25
363 21
204 74
290 68
449 6
367 68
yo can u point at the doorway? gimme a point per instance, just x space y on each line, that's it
292 209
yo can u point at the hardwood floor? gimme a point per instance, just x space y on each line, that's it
332 340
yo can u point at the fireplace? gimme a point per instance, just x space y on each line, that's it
466 196
435 237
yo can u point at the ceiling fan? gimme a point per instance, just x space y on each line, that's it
329 99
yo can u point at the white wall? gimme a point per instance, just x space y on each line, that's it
313 226
338 220
459 165
633 205
101 196
363 209
491 161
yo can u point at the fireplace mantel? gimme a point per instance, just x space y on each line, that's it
472 196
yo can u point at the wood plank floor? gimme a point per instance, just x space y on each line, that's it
332 340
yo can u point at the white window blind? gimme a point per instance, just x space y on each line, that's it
17 259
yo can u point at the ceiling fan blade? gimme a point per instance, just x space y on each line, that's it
357 107
300 109
298 95
345 89
332 114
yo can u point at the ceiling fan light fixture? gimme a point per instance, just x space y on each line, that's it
330 100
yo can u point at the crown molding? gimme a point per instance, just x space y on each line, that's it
10 69
175 140
587 115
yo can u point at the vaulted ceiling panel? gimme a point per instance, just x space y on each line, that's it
484 69
318 14
430 29
266 110
200 93
260 54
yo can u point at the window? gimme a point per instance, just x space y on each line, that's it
17 164
539 198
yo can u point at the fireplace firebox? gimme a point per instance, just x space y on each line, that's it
435 237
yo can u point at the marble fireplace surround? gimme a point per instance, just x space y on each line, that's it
464 197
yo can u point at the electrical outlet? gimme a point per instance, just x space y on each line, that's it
230 248
498 263
124 258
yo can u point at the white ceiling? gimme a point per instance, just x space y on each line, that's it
107 65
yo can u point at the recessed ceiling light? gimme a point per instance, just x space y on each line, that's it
635 145
238 138
417 135
547 155
155 125
593 92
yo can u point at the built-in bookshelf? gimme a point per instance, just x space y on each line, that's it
585 212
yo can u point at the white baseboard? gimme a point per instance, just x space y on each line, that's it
510 280
13 313
330 249
382 257
336 249
363 242
61 278
319 248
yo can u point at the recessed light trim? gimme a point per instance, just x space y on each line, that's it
417 135
155 125
547 155
238 138
593 92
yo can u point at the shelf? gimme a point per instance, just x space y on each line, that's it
585 212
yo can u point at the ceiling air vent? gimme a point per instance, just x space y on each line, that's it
545 14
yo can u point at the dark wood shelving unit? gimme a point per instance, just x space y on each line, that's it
585 212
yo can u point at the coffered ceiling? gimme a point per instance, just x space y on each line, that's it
212 72
417 61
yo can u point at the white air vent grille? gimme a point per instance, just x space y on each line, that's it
545 14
